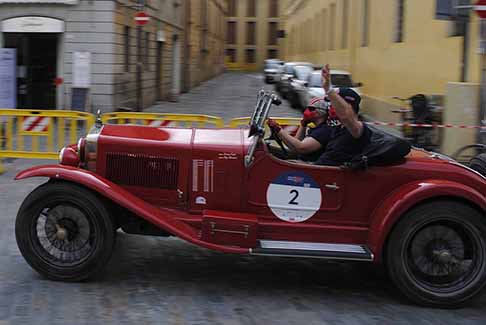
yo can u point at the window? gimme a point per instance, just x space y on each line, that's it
272 33
250 56
272 54
204 26
323 34
231 54
366 23
127 48
344 30
231 32
457 27
273 10
251 8
250 33
399 21
332 25
147 51
232 11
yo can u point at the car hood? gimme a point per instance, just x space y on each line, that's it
135 137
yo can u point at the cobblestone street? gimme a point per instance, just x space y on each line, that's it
154 280
228 96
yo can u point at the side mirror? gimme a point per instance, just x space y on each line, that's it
358 84
306 83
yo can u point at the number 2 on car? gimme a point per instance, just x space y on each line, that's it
294 197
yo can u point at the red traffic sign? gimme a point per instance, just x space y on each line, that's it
480 8
141 18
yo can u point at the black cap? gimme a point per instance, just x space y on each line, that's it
351 97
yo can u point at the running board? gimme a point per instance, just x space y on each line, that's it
314 250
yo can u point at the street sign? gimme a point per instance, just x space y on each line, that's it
480 8
141 18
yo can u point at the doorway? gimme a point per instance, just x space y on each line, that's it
159 77
36 68
176 67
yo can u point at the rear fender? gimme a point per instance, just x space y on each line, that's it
164 218
408 196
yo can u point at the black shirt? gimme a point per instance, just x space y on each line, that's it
322 134
342 146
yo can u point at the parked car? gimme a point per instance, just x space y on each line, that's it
298 84
272 72
312 87
424 217
282 86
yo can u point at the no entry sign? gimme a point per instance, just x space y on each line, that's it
141 18
480 8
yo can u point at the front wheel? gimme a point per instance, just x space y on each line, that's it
64 232
436 254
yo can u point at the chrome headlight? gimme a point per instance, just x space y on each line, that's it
88 149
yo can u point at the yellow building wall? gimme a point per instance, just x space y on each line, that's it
262 21
426 60
205 43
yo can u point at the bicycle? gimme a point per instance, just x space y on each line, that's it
419 111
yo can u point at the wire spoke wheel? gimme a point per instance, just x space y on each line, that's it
436 254
64 235
64 232
443 256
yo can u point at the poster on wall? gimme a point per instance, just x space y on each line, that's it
8 78
81 70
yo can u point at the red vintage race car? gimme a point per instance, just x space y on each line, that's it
234 191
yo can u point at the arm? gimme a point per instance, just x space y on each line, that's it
302 147
344 111
300 135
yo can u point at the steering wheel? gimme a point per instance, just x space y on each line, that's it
274 136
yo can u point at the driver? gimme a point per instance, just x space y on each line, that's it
341 137
308 143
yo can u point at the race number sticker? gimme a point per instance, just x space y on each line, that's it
294 197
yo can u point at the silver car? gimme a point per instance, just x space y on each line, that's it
282 86
313 85
272 72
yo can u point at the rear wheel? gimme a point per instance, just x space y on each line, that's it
436 254
64 232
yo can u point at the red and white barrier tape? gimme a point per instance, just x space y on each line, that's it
418 125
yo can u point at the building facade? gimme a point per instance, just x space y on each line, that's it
253 32
161 47
84 54
205 40
394 47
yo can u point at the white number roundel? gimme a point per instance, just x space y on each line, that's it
294 197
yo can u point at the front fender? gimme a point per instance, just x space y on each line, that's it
408 196
163 218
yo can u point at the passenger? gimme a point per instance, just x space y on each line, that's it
345 135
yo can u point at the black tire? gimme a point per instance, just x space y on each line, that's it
436 255
478 163
294 100
59 211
